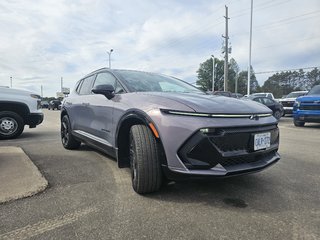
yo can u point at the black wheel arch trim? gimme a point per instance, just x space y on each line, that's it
136 114
17 103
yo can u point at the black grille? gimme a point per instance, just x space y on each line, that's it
287 104
235 139
310 107
241 160
226 146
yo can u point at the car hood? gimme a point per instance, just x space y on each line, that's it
287 99
213 104
309 98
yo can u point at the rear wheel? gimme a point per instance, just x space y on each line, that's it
144 160
68 141
298 123
11 125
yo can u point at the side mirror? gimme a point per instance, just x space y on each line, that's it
105 89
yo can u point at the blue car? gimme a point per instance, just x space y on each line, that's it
307 108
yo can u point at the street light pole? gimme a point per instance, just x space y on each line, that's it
250 44
212 73
109 53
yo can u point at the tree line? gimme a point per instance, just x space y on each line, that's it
279 84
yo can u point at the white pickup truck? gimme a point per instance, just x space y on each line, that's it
17 109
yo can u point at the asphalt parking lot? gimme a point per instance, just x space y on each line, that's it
88 197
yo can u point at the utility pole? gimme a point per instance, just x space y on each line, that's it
250 44
226 51
10 82
212 72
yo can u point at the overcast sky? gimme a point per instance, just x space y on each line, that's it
42 41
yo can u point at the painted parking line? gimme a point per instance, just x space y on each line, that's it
48 225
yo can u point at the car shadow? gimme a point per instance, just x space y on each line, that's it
252 191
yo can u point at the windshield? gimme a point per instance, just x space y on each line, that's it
151 82
315 90
295 94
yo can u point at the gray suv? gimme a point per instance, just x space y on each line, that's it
162 127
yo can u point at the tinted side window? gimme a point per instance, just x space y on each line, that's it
86 85
79 86
268 101
258 100
105 78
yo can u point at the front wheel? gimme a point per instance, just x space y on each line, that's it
145 155
298 123
68 141
11 125
277 114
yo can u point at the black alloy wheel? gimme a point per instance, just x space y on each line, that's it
68 141
277 114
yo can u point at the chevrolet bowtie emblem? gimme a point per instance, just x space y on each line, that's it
254 117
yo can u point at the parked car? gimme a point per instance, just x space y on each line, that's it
288 101
307 108
44 104
227 94
268 95
236 95
276 107
17 109
223 93
162 127
54 104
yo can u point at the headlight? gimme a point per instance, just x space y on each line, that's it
297 103
214 115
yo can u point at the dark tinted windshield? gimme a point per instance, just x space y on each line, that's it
315 90
151 82
295 94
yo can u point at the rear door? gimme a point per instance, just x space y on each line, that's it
80 114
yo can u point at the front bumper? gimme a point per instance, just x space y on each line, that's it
180 134
307 115
222 172
223 152
288 110
34 119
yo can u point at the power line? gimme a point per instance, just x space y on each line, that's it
287 70
289 42
286 19
280 22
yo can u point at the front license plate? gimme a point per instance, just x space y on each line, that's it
262 140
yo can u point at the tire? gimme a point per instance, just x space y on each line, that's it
145 155
11 125
298 123
277 114
68 141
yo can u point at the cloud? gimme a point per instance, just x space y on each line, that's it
42 41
